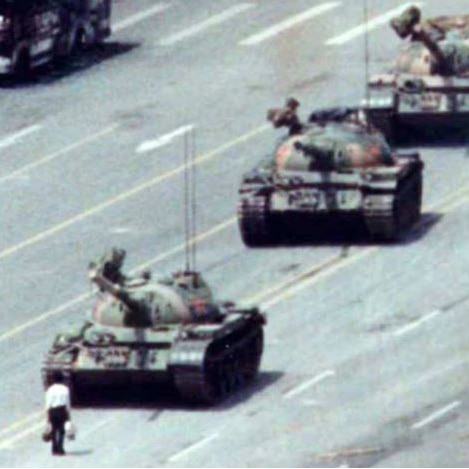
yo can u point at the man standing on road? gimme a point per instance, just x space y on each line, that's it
58 411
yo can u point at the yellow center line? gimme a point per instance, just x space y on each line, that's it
128 194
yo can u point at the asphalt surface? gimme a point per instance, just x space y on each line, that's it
366 357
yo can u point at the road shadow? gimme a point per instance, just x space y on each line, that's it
341 232
165 397
70 66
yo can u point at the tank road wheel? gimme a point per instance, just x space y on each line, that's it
253 221
22 65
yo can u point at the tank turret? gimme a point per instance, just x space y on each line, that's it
408 24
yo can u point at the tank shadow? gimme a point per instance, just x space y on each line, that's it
164 396
70 66
346 232
432 138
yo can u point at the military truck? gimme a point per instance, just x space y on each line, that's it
333 168
35 32
146 332
427 91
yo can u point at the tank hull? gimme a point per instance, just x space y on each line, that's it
203 362
436 109
385 201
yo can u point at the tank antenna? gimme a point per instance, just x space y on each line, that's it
193 150
187 222
367 58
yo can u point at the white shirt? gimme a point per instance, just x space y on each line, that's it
57 395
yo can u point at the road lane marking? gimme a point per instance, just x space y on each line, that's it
293 280
190 449
46 159
8 442
288 23
371 24
14 138
143 15
208 23
339 264
85 296
164 140
129 193
23 421
413 325
436 415
307 384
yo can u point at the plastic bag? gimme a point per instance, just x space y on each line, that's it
70 430
47 433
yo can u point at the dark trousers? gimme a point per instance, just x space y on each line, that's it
57 418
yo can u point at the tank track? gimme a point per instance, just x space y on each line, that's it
388 216
253 220
214 370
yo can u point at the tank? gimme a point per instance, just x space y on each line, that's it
426 93
147 332
332 168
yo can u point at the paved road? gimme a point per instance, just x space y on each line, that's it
366 358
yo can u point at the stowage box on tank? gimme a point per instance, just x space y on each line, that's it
147 332
426 94
334 167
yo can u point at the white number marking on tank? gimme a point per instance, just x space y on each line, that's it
143 15
14 138
206 24
413 325
436 415
371 24
164 140
307 384
190 449
46 159
276 29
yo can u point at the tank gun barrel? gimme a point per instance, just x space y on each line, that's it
409 24
319 156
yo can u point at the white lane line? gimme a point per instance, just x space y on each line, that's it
288 23
21 422
371 24
436 415
208 23
415 324
7 443
194 447
307 384
164 140
13 138
46 159
143 15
